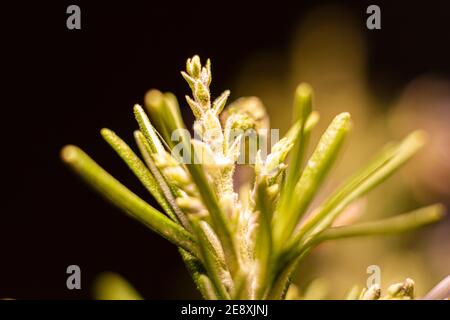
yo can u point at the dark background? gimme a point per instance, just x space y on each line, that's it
62 86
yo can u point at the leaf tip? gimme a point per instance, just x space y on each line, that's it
105 132
344 116
137 134
439 211
137 108
304 91
153 100
69 153
420 137
343 120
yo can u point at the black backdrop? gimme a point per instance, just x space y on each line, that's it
62 86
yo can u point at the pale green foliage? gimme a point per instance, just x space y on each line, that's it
244 244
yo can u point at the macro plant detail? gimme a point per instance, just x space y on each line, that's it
245 241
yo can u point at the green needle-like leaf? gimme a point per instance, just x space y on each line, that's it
139 169
155 106
263 246
164 110
394 225
302 113
302 110
312 177
126 200
148 130
376 172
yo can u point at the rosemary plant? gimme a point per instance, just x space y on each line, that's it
246 243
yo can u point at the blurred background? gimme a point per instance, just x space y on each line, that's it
66 85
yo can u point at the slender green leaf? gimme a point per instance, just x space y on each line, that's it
148 130
219 102
312 177
126 200
155 106
376 172
139 169
394 225
164 109
302 110
263 245
145 149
